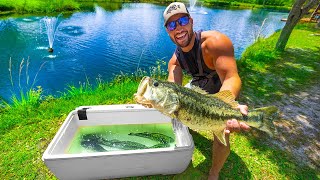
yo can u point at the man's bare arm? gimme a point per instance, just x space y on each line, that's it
231 81
222 50
175 71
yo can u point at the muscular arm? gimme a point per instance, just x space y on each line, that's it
175 71
221 48
228 68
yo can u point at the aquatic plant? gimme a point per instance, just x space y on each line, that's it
29 95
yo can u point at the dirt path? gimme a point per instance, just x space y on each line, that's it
299 131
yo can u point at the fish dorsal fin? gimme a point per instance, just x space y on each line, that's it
227 97
198 90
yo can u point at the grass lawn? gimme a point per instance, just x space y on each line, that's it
27 129
275 74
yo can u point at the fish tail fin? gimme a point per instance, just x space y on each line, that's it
262 119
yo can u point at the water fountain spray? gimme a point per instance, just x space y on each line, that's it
193 9
51 24
192 4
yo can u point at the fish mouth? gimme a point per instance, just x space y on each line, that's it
139 96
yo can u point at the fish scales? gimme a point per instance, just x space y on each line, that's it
199 106
200 110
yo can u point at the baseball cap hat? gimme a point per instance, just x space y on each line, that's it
174 8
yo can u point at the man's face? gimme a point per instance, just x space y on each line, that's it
181 35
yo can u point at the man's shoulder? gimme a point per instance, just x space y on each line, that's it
211 34
216 41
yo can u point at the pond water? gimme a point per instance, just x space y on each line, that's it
103 43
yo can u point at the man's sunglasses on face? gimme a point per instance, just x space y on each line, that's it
172 25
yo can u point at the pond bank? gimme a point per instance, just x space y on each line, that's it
35 6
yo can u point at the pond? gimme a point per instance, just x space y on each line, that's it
102 43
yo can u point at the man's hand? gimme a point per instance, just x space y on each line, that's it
243 109
235 126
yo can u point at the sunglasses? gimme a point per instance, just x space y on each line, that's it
173 24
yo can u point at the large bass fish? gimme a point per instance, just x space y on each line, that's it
200 110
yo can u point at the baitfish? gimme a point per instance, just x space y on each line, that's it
92 141
163 139
160 145
97 141
200 110
126 145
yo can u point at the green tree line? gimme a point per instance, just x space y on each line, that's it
47 6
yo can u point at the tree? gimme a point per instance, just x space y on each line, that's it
299 9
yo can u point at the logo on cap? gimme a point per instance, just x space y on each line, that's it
173 7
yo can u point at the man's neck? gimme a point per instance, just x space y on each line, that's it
190 45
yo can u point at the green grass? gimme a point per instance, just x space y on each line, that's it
276 74
27 128
47 6
248 4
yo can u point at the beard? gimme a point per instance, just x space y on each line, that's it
185 42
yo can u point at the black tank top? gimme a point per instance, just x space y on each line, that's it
192 62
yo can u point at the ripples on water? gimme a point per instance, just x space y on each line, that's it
72 30
88 44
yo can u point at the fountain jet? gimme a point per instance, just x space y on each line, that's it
51 24
193 8
192 4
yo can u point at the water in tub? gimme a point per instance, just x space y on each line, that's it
122 137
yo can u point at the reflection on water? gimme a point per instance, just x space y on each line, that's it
104 42
51 56
122 137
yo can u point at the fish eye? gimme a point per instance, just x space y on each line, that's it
156 84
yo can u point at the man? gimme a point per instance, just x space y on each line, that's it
209 57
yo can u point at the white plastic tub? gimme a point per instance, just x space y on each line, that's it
116 164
